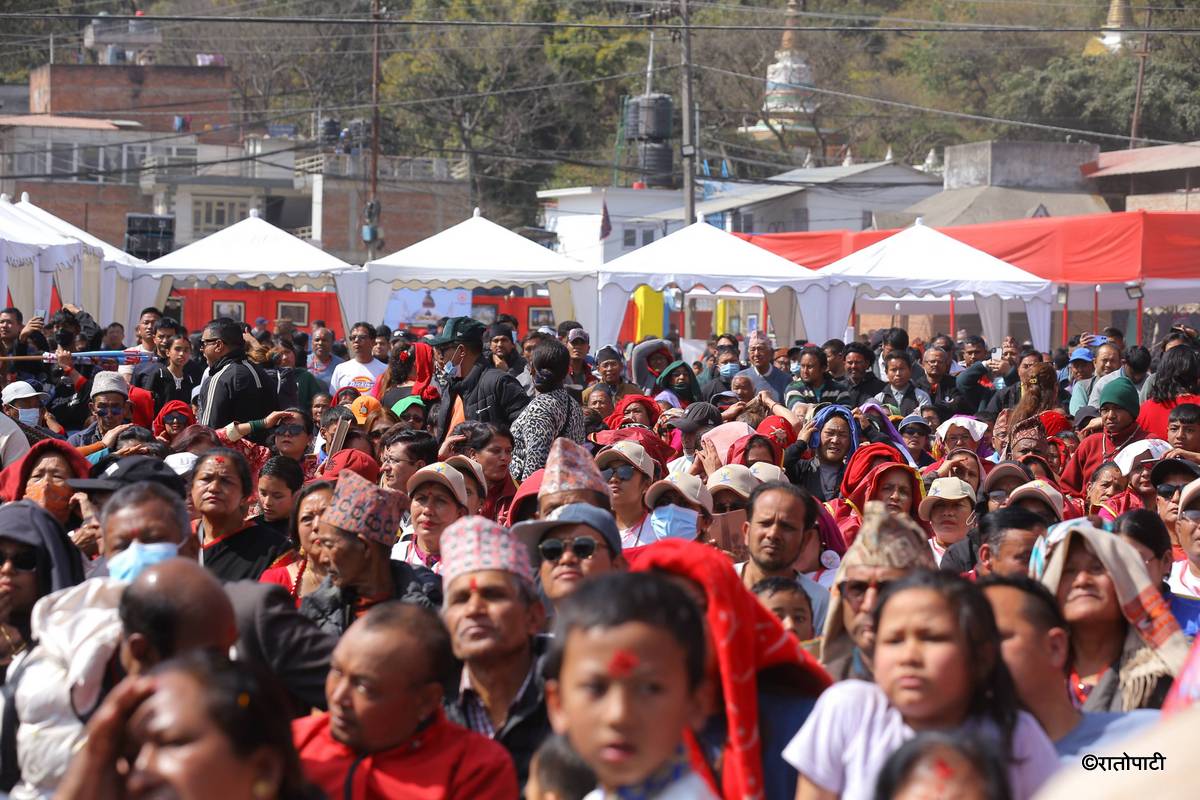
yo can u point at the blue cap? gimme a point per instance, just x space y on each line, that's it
1081 354
914 419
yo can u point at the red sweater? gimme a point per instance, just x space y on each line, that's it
1153 416
443 762
1093 451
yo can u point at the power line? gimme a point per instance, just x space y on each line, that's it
563 25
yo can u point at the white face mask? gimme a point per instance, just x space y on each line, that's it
674 522
28 416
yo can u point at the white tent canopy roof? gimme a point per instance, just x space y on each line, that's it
252 250
109 253
701 255
921 262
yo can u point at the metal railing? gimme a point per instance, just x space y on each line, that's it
356 165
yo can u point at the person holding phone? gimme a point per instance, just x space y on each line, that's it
18 338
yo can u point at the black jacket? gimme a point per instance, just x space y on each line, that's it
857 395
946 392
236 391
155 378
332 609
488 395
526 727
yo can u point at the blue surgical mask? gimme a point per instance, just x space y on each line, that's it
794 366
450 370
727 371
135 559
28 416
674 522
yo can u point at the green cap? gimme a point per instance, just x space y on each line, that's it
459 330
1121 392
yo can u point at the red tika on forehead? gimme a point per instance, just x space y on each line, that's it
622 664
473 584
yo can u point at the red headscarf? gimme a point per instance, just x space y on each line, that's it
1055 422
173 406
737 450
353 460
655 447
746 638
16 474
421 374
778 429
851 520
614 420
861 464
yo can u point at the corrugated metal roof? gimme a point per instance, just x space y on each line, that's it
1145 159
725 202
53 121
977 204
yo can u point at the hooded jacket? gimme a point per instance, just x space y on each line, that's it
14 476
666 392
237 390
488 395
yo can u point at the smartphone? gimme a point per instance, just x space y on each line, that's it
997 353
40 312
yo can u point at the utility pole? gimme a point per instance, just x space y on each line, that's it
1142 55
687 149
372 211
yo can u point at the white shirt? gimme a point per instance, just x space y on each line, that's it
1182 581
690 787
638 535
355 373
13 443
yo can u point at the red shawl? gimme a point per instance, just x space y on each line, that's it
15 475
851 520
614 420
659 450
421 374
746 639
352 460
737 451
778 429
169 408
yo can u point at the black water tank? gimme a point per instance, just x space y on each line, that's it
657 162
648 116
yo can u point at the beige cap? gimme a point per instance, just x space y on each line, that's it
629 452
689 486
444 474
1191 493
1039 490
734 477
468 466
945 490
767 473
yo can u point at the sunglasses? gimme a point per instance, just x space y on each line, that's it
1192 515
624 472
856 591
1168 490
207 342
997 496
109 411
584 547
291 429
725 507
24 561
359 338
175 419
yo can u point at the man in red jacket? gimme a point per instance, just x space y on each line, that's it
1119 406
385 735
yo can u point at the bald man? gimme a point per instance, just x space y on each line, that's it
89 637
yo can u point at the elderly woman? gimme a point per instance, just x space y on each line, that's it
817 461
41 475
958 433
1126 648
887 548
897 486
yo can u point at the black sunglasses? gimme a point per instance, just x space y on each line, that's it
23 561
1168 490
175 418
291 429
725 507
856 591
584 547
624 472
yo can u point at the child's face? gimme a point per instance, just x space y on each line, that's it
898 373
1185 437
622 698
921 660
793 610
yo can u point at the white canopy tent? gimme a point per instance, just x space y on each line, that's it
30 277
475 253
920 262
253 251
106 289
703 255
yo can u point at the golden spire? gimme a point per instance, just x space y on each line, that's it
1120 15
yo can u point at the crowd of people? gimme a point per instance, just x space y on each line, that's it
475 562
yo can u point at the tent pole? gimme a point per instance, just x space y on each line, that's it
1066 301
1096 309
952 326
1141 303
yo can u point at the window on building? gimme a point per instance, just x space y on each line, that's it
211 214
647 236
868 219
799 219
89 163
629 238
62 158
747 223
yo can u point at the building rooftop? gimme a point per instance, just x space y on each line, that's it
1145 159
56 121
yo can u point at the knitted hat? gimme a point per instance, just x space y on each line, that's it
474 544
569 467
1121 392
360 507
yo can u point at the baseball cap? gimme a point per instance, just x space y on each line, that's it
1005 469
1153 448
467 466
608 353
1164 468
1084 414
629 452
459 330
690 487
109 382
914 419
945 489
578 335
697 415
443 474
1082 354
1039 490
733 477
131 469
767 473
531 533
21 390
1191 492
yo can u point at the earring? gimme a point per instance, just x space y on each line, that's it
263 789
